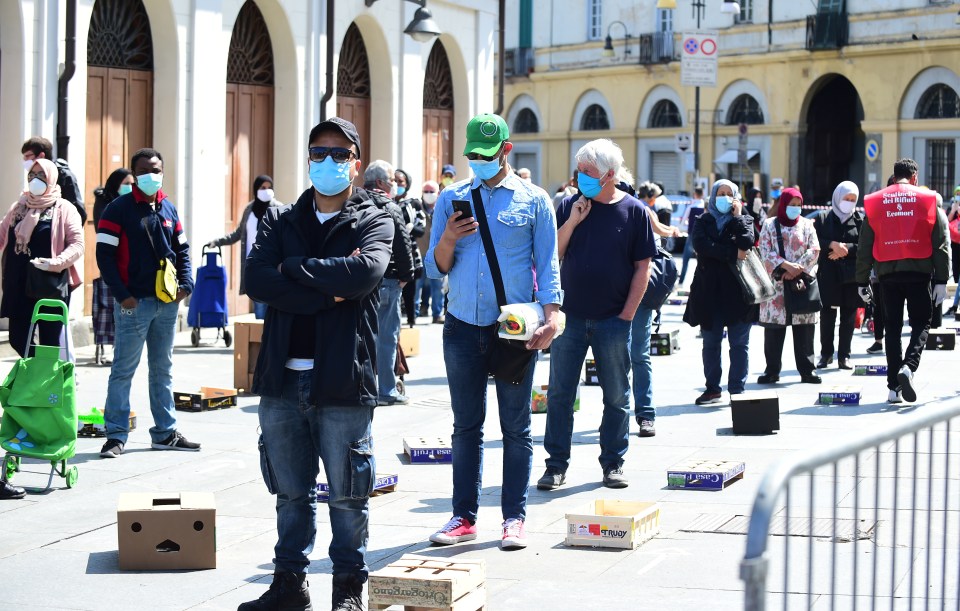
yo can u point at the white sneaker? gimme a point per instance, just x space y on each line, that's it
905 377
894 396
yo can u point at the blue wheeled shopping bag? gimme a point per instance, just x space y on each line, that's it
208 303
39 405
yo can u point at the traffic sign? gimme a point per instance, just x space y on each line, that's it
698 62
872 150
742 130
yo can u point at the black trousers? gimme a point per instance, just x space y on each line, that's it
878 319
955 260
773 338
408 295
828 321
919 300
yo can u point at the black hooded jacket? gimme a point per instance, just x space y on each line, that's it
402 266
345 346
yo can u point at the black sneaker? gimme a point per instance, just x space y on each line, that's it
905 377
552 479
111 449
8 491
768 378
708 398
175 441
646 428
347 593
289 591
614 478
876 348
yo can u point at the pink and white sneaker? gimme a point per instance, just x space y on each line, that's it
514 535
456 530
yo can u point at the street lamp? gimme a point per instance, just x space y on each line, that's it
423 28
608 42
666 4
730 7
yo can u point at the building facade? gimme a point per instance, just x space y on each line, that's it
825 91
229 89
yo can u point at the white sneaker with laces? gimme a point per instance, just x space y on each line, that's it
514 535
456 530
905 377
894 396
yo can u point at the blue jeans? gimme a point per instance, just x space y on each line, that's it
687 253
152 323
259 310
609 339
431 290
295 436
388 334
465 351
738 336
643 405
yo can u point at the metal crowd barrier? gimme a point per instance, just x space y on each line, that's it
873 523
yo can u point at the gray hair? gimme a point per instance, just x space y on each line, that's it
378 170
604 154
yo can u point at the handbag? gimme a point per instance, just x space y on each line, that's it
47 285
663 277
801 295
166 284
754 280
508 360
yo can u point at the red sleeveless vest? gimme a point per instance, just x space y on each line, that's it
902 217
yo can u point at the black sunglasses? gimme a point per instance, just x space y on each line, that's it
477 156
340 155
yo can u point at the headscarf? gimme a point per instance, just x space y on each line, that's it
111 189
843 189
30 206
259 207
722 219
786 196
752 195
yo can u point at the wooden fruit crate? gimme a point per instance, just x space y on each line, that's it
421 582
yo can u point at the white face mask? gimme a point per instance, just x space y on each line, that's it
37 186
846 206
27 164
265 195
393 190
430 197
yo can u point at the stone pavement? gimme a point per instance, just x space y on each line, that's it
59 550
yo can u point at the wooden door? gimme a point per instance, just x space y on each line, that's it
119 122
357 111
249 153
437 147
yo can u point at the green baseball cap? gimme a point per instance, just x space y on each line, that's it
485 134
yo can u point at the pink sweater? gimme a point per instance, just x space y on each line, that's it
66 234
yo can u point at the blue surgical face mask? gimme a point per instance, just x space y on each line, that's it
401 190
329 177
775 193
793 212
150 183
724 203
589 186
125 188
485 170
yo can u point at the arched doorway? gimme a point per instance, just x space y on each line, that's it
353 90
249 129
119 103
834 141
437 113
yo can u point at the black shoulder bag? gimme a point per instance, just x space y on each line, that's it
802 294
508 359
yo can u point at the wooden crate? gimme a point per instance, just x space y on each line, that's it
699 474
208 398
247 337
613 523
427 450
382 485
421 582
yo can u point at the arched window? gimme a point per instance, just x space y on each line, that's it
664 114
594 118
353 73
526 122
119 36
938 102
437 80
745 109
250 60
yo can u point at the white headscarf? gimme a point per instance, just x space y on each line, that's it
843 189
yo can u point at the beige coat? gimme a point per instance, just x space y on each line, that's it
801 246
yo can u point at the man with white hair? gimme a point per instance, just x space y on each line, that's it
524 174
605 242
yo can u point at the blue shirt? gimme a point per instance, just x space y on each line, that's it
524 231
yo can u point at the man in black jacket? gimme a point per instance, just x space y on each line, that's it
317 264
380 183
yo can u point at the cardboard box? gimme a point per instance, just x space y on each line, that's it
609 523
870 370
665 343
423 582
247 337
538 399
590 376
208 398
382 485
91 424
705 474
410 341
755 412
941 339
167 530
840 395
427 450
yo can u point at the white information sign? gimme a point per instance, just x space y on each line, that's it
698 59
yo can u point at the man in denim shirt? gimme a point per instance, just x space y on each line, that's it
524 230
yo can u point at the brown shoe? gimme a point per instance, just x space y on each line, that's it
438 320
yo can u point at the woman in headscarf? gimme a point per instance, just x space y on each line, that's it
754 206
246 231
801 251
416 224
722 234
838 231
120 182
42 232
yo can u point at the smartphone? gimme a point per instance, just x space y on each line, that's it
463 206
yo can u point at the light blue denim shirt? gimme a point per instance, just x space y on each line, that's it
524 230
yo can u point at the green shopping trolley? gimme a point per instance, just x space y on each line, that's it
39 404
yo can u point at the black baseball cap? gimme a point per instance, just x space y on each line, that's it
348 129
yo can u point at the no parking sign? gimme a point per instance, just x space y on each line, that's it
872 150
698 61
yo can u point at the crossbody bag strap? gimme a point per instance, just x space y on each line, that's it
488 248
146 228
783 252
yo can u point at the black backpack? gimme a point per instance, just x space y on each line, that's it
663 277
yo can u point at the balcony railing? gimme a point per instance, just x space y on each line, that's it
657 48
518 61
827 31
